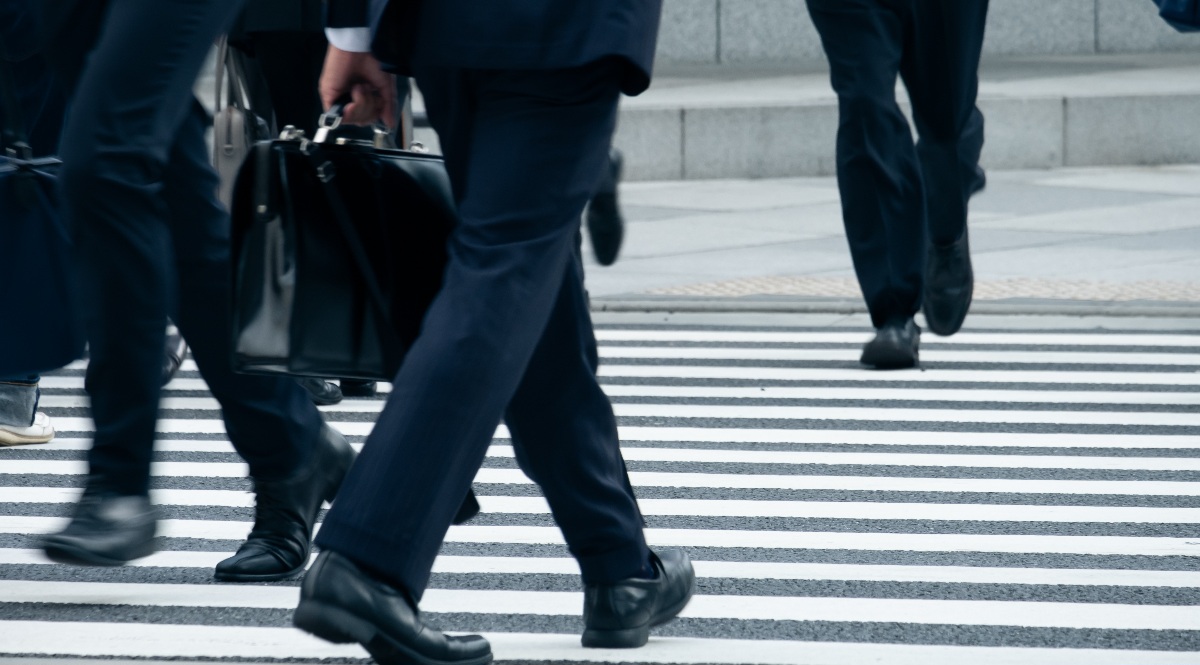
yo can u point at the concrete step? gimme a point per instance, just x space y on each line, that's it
1041 112
757 32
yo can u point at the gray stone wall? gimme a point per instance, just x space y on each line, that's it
763 32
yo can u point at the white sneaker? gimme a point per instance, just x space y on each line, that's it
40 432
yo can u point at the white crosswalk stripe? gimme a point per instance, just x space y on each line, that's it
1025 498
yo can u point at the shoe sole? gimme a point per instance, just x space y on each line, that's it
8 438
890 361
266 577
630 638
78 556
13 441
336 625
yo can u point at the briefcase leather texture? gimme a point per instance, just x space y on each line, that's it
338 249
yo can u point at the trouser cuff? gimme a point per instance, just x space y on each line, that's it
614 565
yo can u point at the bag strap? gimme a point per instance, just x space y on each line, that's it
325 174
13 138
231 78
222 51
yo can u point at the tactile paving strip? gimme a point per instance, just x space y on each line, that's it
1001 289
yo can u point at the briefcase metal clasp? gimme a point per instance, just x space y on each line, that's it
325 124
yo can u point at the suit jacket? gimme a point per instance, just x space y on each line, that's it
509 34
280 15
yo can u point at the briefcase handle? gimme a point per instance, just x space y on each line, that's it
331 120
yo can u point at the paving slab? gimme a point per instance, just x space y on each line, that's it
1124 237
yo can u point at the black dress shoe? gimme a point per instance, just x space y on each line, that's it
895 346
285 513
978 182
175 352
358 388
949 285
341 603
468 509
320 391
106 530
605 226
620 615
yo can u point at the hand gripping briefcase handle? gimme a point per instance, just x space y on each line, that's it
339 247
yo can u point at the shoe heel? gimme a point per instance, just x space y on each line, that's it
630 638
332 624
332 490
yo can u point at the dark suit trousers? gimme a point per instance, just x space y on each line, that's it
41 102
285 68
151 238
897 198
509 335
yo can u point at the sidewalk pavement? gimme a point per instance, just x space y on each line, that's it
1118 241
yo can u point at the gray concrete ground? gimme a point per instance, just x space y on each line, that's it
1125 237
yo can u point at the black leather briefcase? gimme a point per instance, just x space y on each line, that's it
338 248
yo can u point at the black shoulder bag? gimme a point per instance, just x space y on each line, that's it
36 270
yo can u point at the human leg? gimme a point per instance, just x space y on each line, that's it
518 217
296 463
565 439
507 258
131 84
878 175
122 146
941 72
133 95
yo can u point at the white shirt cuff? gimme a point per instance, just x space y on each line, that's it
357 40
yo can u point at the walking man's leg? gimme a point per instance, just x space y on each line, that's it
296 462
519 214
565 439
138 193
941 73
878 174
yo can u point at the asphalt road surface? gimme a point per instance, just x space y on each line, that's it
1027 497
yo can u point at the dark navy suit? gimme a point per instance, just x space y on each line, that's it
523 95
897 198
150 236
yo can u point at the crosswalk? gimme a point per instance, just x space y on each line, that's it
1026 497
